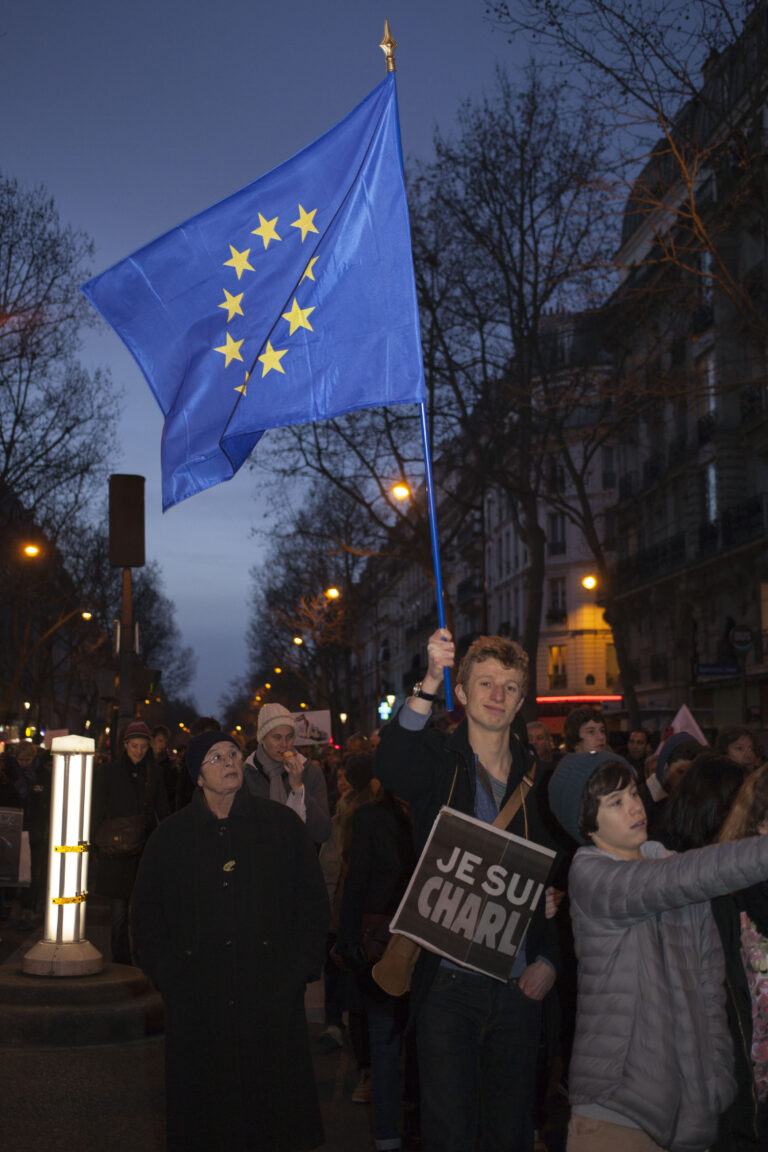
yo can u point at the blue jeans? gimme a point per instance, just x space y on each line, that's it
385 1034
478 1043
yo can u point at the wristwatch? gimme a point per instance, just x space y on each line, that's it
418 690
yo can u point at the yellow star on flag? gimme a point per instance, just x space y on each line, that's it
271 358
308 271
239 261
297 317
266 230
306 222
241 387
230 351
232 304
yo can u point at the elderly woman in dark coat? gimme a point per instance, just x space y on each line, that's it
230 915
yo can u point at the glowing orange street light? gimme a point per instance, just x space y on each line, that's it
401 491
332 593
589 582
31 550
277 671
298 640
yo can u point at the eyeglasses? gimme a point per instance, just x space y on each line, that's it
220 757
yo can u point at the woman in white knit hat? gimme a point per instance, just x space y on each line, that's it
276 771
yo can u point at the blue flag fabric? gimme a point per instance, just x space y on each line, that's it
293 300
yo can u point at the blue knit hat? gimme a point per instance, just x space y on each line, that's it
200 746
567 784
668 747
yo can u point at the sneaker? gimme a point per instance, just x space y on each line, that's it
362 1093
332 1039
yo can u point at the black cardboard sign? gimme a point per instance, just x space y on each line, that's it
473 893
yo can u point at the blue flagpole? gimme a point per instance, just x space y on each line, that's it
432 511
388 45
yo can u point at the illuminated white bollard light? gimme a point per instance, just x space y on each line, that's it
64 951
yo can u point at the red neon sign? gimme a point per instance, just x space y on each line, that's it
595 699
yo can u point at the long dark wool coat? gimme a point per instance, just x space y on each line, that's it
229 921
119 790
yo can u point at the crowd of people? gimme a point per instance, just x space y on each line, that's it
640 988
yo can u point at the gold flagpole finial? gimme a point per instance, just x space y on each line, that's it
388 45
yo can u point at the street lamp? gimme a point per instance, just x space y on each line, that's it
332 593
589 582
400 491
31 550
298 640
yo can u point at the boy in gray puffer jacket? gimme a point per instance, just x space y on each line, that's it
652 1064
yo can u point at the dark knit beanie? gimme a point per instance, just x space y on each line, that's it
567 784
358 769
200 746
137 729
668 747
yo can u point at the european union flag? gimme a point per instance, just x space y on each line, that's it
291 301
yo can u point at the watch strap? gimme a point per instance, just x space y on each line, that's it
418 690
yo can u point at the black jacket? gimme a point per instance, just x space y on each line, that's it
229 920
120 789
430 768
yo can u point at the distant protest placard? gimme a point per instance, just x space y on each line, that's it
312 727
473 893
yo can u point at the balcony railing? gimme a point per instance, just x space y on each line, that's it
753 403
740 524
557 615
627 485
652 469
705 427
744 522
468 589
652 562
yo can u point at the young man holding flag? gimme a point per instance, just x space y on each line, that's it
478 1038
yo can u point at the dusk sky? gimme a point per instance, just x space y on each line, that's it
137 117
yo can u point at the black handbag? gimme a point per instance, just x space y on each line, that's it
125 835
121 835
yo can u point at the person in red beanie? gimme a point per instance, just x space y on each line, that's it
130 786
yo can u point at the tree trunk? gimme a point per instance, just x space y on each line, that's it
536 543
614 616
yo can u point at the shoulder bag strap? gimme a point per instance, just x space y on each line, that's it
510 809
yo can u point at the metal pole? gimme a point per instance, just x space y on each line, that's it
432 512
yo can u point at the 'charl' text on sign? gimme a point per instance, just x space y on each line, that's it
473 893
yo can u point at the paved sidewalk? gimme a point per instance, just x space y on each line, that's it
82 1097
103 1097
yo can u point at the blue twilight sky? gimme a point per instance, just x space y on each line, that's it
137 116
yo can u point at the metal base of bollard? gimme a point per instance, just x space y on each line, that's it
46 958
